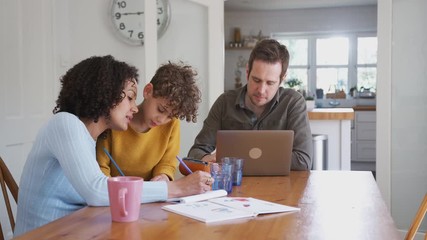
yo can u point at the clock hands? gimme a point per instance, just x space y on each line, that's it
135 13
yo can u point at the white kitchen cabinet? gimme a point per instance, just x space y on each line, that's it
364 141
335 123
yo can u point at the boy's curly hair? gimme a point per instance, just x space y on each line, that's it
94 86
176 83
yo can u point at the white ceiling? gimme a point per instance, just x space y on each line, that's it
237 5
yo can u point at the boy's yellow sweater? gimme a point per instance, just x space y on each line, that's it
141 154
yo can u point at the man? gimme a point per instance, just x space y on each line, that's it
260 105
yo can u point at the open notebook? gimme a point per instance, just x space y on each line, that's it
226 208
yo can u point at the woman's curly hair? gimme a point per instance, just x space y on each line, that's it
176 83
94 86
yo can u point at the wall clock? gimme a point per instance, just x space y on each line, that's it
128 19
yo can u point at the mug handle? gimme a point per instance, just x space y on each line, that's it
122 201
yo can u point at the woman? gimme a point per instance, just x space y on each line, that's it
61 174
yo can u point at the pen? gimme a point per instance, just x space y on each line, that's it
114 162
183 164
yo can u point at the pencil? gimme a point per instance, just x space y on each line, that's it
183 164
114 162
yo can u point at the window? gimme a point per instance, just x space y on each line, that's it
298 49
367 62
332 62
331 65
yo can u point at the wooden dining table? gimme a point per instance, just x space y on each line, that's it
333 205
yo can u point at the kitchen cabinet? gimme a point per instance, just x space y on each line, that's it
363 154
335 123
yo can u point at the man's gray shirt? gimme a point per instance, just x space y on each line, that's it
286 111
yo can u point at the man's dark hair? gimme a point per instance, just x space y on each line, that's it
270 51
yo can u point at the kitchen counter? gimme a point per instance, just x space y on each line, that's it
331 114
364 108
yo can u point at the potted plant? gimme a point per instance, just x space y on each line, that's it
296 84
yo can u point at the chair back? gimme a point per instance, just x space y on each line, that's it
417 220
6 180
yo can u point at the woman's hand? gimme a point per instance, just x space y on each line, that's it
195 183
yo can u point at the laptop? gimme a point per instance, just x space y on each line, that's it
265 152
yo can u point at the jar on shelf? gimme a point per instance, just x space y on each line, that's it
237 36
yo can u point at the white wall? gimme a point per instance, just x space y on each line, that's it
26 89
402 108
408 110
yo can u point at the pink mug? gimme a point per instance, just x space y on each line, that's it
125 198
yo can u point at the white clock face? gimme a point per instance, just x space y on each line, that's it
128 19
